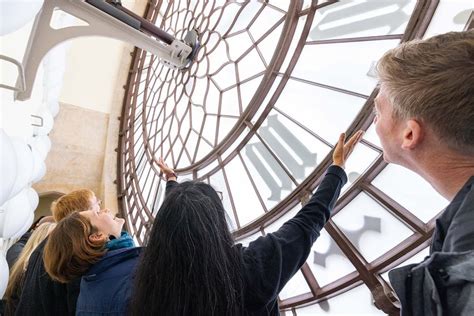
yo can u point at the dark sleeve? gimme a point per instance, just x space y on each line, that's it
270 261
460 233
169 186
29 301
14 251
72 289
41 295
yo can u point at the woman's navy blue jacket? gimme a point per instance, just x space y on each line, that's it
107 286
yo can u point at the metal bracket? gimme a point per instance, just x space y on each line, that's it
39 118
43 38
21 75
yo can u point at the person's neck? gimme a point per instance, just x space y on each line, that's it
446 171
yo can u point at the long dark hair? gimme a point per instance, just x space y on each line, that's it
189 266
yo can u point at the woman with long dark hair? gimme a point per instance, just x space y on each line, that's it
191 265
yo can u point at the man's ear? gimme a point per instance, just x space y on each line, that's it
412 134
97 238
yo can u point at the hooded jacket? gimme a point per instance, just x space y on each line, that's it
443 284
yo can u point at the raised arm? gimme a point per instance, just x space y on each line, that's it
273 259
169 175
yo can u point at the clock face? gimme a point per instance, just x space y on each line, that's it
257 115
190 114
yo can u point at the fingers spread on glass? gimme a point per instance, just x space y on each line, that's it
343 149
166 170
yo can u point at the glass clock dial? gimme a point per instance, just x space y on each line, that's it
257 116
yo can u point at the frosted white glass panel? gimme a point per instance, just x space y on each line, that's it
199 92
272 17
158 195
176 149
349 18
267 45
198 115
238 44
184 161
231 150
294 42
225 77
145 180
246 16
250 65
296 286
372 136
142 234
245 198
205 170
297 149
342 65
225 126
217 56
361 158
369 227
265 102
213 95
411 191
327 261
248 89
209 129
325 112
218 182
191 143
271 181
449 16
281 5
230 103
357 301
203 149
227 17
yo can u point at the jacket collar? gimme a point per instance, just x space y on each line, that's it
112 258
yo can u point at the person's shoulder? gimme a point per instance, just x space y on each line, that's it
461 201
470 186
36 263
114 260
124 252
465 196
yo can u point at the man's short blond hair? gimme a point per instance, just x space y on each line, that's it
433 80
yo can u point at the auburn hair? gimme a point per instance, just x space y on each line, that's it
69 252
75 201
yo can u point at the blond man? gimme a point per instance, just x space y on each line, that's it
425 121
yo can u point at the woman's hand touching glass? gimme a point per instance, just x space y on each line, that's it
343 150
166 170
